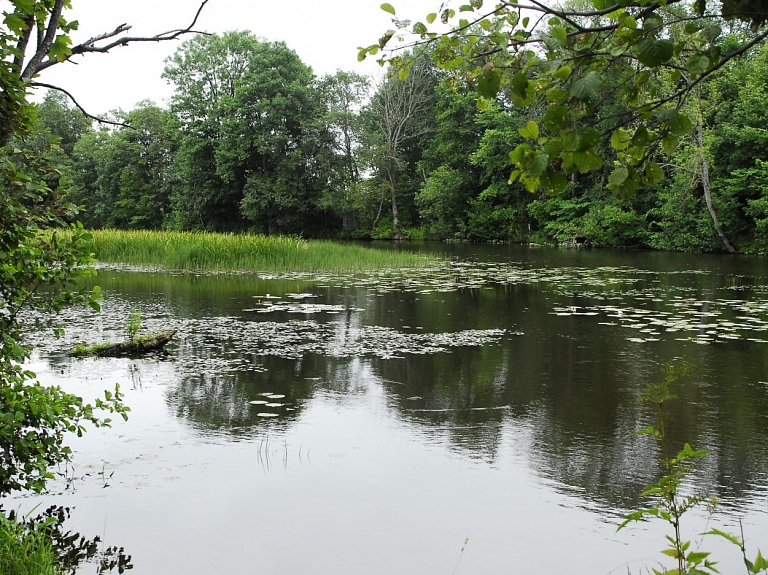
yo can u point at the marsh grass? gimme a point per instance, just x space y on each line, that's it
241 252
26 550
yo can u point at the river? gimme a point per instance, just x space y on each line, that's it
476 417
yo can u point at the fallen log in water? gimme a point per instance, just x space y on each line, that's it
138 346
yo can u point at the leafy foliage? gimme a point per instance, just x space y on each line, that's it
252 136
564 63
36 255
668 501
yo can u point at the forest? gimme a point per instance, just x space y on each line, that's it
254 141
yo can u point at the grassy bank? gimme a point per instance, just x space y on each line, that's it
25 550
229 252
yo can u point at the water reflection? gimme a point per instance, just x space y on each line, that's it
559 353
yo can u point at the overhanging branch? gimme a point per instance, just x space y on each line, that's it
79 107
91 45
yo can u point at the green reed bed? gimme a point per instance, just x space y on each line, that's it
238 252
26 550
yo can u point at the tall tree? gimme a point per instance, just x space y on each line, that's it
344 94
399 112
124 176
251 120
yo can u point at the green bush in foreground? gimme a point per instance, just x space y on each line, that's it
26 550
668 501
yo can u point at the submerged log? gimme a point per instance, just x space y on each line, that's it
136 347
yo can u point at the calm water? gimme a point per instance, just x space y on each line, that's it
493 399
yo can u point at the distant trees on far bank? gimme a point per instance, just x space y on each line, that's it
253 141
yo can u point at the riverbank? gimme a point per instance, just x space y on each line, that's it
242 252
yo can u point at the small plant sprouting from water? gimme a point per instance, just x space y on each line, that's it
669 504
133 325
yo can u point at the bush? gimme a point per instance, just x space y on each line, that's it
613 226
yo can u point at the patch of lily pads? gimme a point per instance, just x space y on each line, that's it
651 306
687 319
293 339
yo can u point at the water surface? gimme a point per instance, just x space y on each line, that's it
338 425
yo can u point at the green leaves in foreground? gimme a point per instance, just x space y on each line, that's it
668 503
625 74
40 261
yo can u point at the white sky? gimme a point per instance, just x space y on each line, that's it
324 33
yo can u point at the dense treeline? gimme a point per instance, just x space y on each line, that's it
254 141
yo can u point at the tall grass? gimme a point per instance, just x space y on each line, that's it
236 252
26 550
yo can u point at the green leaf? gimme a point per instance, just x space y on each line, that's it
556 118
562 73
539 164
671 552
618 177
522 89
619 49
735 540
669 144
653 53
554 181
559 34
489 83
419 28
587 138
652 174
387 7
677 123
518 155
530 131
652 21
530 182
620 139
60 49
553 147
711 33
588 161
15 23
431 17
466 8
697 64
760 564
696 557
586 87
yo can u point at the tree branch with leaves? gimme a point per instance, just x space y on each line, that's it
563 61
35 36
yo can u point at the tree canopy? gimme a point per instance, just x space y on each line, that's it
564 63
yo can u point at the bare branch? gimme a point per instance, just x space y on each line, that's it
90 45
79 107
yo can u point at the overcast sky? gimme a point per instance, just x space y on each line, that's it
324 33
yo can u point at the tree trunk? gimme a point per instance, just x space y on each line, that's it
392 177
704 178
